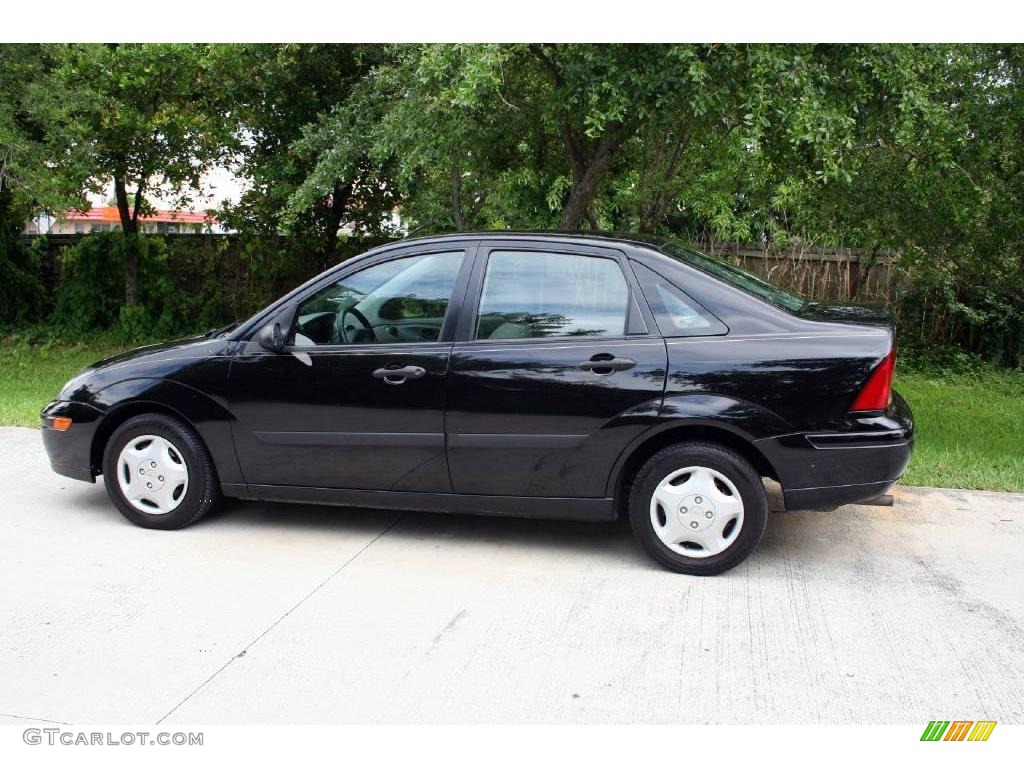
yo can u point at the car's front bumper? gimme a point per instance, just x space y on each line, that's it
70 451
823 470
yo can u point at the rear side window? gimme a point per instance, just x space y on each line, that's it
533 294
676 313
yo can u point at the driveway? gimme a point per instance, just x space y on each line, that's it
268 613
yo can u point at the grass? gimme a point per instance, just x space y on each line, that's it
970 425
31 375
970 429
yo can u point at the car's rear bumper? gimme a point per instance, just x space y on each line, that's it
70 450
822 470
832 496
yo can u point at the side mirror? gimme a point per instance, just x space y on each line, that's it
271 337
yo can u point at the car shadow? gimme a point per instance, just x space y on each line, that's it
612 541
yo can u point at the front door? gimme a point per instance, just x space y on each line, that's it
356 400
553 365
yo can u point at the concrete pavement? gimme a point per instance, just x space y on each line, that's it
269 613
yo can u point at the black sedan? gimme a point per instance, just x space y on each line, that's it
546 375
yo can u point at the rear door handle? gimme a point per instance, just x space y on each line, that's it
400 374
604 364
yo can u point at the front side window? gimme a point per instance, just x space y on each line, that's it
532 294
402 300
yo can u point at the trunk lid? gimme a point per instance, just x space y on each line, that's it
843 312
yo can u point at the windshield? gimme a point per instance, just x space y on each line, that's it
737 277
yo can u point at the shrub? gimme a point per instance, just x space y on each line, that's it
957 297
22 296
91 292
186 283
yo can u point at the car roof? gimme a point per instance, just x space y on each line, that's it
595 237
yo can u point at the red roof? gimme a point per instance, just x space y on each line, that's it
109 213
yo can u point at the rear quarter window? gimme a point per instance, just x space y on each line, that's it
676 313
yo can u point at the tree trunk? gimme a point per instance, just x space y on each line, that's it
588 173
654 211
7 232
5 204
457 216
583 192
130 227
588 168
336 212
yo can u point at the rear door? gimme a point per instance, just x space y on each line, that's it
555 350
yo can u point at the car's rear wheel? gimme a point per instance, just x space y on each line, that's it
158 472
698 508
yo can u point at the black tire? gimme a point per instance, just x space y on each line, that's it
716 457
203 489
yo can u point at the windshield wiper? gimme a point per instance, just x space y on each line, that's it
218 333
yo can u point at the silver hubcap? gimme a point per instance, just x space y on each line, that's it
697 512
152 474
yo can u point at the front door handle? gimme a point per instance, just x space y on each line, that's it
604 364
398 375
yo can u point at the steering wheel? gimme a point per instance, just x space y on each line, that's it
341 328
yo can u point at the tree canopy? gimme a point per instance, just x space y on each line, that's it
912 148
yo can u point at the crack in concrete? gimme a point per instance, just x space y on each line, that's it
282 617
36 719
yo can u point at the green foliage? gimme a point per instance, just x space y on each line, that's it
149 115
911 149
186 283
28 184
938 360
28 181
279 93
618 136
958 297
90 294
90 298
21 290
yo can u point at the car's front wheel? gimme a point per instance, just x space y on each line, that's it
698 508
158 472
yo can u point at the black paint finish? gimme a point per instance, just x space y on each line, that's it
534 427
333 424
528 420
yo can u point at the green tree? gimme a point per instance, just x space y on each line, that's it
28 183
574 135
146 117
279 93
913 148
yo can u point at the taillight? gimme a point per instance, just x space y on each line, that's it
876 394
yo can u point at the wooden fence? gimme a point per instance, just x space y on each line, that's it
840 274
